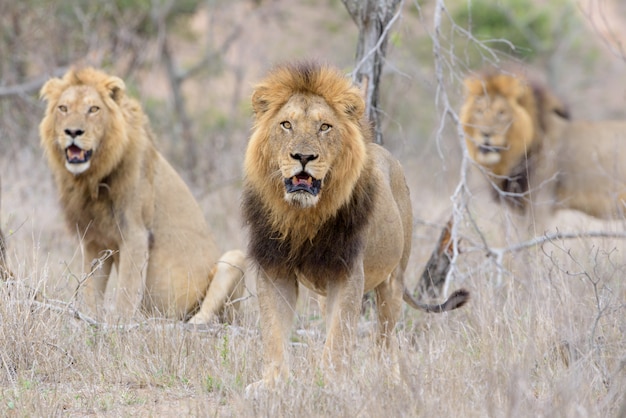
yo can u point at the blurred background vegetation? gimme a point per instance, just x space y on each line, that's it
188 60
193 63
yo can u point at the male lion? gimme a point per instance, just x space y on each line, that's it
325 208
521 136
123 198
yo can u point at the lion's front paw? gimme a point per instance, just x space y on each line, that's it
199 319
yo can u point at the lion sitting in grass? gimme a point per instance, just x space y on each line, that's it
129 207
522 138
327 209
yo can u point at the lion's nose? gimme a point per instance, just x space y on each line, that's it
304 158
74 132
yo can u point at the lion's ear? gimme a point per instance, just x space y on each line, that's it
260 104
474 86
52 88
518 89
354 105
116 88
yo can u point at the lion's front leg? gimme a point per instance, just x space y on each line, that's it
343 307
277 303
96 270
132 271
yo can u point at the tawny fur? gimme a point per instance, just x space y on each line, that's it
128 200
542 156
354 236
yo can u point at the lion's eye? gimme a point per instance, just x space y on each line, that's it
63 108
286 125
94 109
324 127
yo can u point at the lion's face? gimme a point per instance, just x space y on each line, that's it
488 126
80 120
306 147
83 111
497 121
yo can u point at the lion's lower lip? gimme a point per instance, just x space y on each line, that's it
302 182
76 155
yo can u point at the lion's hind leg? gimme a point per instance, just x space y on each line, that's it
225 290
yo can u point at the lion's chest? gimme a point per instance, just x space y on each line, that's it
94 219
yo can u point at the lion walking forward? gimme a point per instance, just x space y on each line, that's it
326 208
130 208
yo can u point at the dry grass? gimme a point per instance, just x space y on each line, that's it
542 337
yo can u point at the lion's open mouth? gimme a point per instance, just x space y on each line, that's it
486 149
76 155
303 182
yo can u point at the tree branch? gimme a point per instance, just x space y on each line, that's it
31 86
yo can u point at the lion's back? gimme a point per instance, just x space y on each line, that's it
590 160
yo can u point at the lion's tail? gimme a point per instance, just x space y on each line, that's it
456 300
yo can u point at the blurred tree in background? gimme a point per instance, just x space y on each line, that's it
176 56
41 39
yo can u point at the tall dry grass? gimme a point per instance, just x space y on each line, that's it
542 336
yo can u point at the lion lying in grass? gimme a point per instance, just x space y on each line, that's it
532 154
327 209
122 198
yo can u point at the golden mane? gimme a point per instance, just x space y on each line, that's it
261 166
306 78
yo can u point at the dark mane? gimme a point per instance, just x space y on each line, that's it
331 253
514 189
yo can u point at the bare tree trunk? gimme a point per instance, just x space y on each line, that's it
374 18
183 119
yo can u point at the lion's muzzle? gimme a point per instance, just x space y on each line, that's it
303 182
